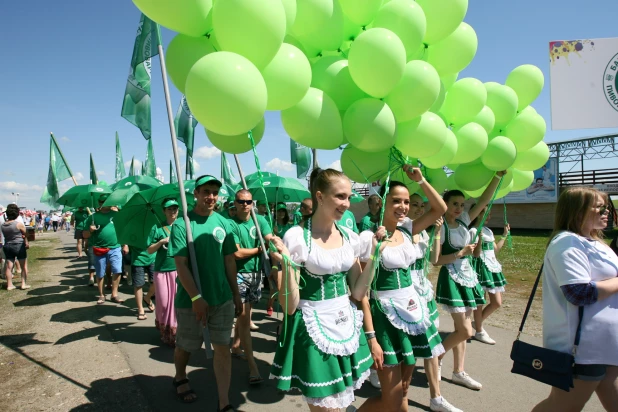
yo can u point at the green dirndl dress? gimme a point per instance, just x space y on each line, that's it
404 332
326 364
419 278
491 278
458 287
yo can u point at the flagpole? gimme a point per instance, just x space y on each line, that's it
314 152
63 159
253 215
183 197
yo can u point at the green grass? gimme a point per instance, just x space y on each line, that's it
522 263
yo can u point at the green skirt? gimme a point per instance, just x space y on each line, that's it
298 363
433 311
455 297
400 347
490 281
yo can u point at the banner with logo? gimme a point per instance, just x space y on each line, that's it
584 83
544 187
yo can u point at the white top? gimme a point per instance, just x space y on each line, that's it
322 261
488 256
392 257
572 259
423 243
1 222
459 236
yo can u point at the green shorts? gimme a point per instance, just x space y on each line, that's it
189 333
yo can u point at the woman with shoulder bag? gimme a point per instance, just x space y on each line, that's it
15 246
581 270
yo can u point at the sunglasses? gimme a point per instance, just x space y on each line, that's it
603 210
244 202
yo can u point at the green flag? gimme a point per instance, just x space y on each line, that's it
143 169
173 178
136 103
120 171
227 176
150 165
93 172
58 170
185 123
189 166
301 156
132 168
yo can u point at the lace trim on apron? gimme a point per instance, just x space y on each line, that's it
405 309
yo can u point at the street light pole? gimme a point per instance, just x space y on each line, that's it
16 196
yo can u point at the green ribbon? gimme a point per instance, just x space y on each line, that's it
509 238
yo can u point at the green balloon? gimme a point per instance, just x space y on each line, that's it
443 17
369 125
533 158
314 122
406 19
327 36
311 14
421 137
526 130
504 190
190 17
464 101
454 53
237 144
451 184
502 100
471 143
420 80
252 29
435 108
377 61
364 167
522 179
182 53
361 12
500 154
527 81
287 77
351 30
437 178
309 51
226 93
332 75
449 80
290 13
445 155
486 119
472 177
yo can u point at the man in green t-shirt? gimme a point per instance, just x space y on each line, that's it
78 218
348 220
142 265
249 261
102 238
219 298
305 209
370 220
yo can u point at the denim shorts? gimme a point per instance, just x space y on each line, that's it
189 333
590 373
138 273
113 257
14 251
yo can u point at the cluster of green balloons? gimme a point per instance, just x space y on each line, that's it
371 75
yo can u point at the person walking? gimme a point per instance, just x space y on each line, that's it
142 268
219 298
164 274
15 247
580 272
249 267
79 218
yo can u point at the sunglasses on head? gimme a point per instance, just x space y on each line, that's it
244 202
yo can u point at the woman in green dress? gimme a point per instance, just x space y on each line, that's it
458 289
322 350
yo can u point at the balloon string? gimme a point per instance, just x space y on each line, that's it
487 210
260 175
509 238
426 257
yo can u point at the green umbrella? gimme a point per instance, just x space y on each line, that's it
127 187
136 219
254 176
356 198
83 196
279 189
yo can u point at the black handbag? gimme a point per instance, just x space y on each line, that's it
541 364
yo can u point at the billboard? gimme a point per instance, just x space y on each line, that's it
584 83
544 187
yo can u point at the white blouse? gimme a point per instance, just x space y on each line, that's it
322 261
459 236
392 257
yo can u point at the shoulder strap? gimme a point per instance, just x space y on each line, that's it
344 234
405 232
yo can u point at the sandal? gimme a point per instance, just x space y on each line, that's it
116 300
239 355
151 306
141 316
183 395
101 300
255 380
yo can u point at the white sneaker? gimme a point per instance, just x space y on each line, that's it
463 379
439 371
374 379
442 406
483 336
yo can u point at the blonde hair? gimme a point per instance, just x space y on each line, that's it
574 208
321 180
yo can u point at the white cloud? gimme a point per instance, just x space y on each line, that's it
65 139
79 176
281 165
19 187
137 164
196 166
101 172
206 152
335 165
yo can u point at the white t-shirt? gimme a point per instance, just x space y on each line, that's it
1 222
572 259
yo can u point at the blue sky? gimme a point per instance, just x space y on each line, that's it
65 66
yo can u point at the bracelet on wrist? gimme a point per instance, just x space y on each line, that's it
196 297
370 335
274 267
437 238
422 181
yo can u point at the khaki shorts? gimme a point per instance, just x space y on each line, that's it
189 333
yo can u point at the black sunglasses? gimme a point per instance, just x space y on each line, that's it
603 209
244 202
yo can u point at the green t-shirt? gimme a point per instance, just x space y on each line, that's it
281 229
105 236
245 236
224 213
367 224
298 217
348 220
163 262
213 240
80 219
141 257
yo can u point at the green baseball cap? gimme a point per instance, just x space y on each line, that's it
103 197
282 207
261 203
170 203
207 179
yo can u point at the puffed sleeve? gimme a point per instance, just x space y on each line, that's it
465 217
354 240
473 233
442 233
296 244
366 241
